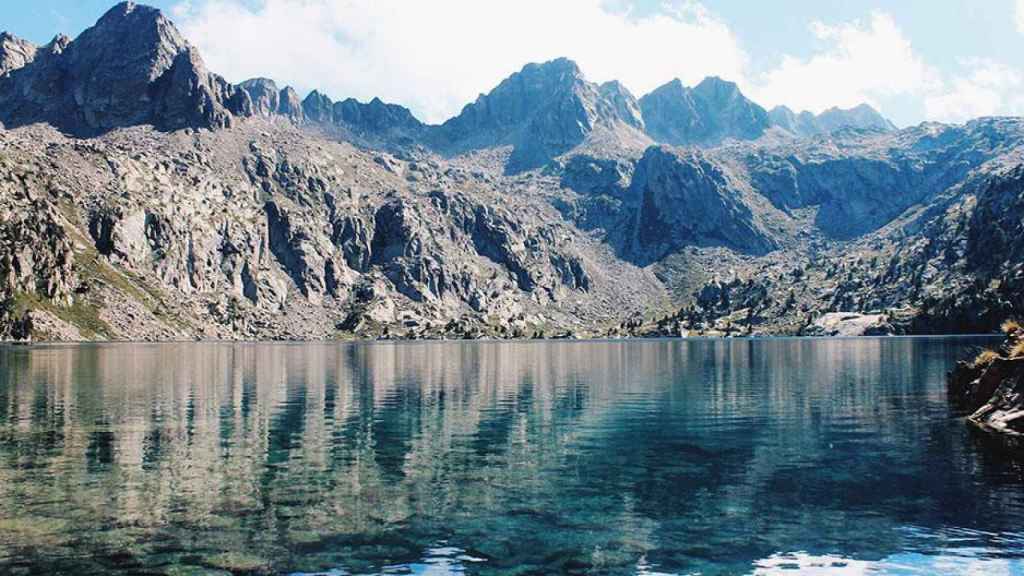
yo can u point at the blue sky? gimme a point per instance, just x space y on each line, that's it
913 59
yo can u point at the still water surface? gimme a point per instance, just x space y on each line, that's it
653 458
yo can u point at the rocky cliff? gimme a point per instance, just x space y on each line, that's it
144 197
990 388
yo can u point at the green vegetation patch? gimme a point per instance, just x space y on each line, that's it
81 314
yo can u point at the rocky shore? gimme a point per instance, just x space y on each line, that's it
991 387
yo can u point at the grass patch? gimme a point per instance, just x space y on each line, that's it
985 359
91 266
81 314
1010 327
1017 349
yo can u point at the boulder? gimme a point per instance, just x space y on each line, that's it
991 389
850 324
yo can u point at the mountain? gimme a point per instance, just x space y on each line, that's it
543 111
705 115
144 197
862 117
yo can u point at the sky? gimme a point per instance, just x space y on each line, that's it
914 60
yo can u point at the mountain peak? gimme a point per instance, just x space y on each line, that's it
561 65
131 67
716 84
131 11
14 52
708 113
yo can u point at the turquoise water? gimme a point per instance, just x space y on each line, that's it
653 457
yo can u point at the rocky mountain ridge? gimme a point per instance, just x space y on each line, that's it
143 197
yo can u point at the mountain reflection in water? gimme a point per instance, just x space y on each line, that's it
657 457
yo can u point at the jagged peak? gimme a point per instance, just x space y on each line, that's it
716 86
131 8
128 34
558 65
58 44
316 95
259 82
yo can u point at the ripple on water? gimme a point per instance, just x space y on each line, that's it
652 458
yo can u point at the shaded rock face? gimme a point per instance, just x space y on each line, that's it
388 122
132 67
707 114
861 188
684 200
290 105
318 108
862 117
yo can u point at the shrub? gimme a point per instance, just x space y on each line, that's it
1010 327
1017 349
985 358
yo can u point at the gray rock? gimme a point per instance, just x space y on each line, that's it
15 53
290 105
264 94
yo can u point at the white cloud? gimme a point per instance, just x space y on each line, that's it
1019 15
861 62
436 56
988 88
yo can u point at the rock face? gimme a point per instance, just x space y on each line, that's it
707 114
268 101
862 117
991 389
380 121
686 200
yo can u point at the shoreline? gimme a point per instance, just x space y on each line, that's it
396 341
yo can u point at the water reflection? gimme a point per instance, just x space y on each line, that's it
707 457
